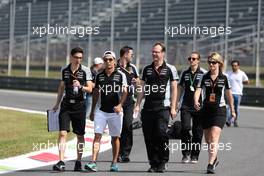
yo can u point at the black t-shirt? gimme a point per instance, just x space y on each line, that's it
131 72
189 81
157 86
110 88
217 87
83 75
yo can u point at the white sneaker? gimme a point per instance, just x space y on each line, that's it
194 161
185 159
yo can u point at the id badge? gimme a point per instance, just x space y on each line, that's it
212 98
192 88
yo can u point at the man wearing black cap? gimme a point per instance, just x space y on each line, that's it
111 86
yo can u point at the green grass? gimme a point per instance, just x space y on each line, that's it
20 132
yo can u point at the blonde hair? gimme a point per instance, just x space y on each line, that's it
214 56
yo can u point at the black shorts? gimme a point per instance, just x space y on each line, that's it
74 113
211 116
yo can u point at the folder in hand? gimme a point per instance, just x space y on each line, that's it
53 120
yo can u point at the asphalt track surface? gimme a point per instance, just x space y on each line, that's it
245 157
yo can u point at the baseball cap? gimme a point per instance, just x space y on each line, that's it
98 60
109 53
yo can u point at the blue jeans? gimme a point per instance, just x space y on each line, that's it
88 103
237 100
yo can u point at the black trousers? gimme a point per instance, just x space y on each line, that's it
126 140
154 126
192 134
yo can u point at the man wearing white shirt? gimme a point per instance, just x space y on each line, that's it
237 78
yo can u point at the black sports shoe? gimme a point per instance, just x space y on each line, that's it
211 167
123 159
152 169
60 166
78 166
228 124
194 160
161 168
185 159
236 124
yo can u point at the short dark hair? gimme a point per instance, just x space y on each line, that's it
163 47
76 50
235 61
124 50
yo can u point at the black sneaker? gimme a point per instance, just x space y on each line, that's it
194 160
235 124
78 166
123 159
211 167
161 168
152 169
228 124
60 166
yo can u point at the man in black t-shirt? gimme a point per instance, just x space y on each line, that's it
111 86
75 81
124 65
159 86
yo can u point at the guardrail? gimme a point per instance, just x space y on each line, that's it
252 96
35 84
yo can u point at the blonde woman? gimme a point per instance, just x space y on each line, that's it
213 109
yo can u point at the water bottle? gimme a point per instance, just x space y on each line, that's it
135 115
75 90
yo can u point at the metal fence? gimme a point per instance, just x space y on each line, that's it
110 24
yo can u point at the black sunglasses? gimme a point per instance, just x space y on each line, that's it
212 62
192 58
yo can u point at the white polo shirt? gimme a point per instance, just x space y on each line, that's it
236 81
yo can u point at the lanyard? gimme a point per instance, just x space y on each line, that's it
192 81
213 83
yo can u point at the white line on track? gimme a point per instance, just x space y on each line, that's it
23 110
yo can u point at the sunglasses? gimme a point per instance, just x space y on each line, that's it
108 60
192 58
212 62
